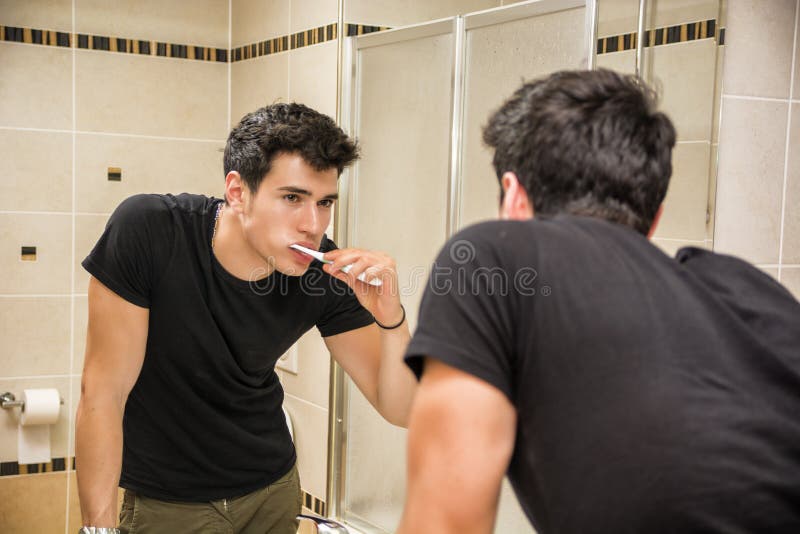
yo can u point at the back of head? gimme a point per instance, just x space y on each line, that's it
286 128
586 143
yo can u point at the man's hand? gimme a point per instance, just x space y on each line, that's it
383 301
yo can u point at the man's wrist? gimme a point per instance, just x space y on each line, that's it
397 323
98 530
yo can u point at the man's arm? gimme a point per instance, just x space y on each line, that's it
373 358
115 347
460 439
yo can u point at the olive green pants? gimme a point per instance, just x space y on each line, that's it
272 510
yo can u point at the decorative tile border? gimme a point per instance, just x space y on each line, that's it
181 51
112 44
315 505
297 40
60 464
680 33
55 465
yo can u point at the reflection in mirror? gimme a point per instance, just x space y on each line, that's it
418 118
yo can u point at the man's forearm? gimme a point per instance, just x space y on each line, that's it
98 457
396 382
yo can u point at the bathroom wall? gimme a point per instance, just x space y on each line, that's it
758 185
98 100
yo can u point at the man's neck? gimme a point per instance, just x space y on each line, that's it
233 251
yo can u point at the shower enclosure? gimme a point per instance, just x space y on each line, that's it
416 98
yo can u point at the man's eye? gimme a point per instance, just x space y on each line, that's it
326 203
291 197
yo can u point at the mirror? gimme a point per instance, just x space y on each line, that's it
435 84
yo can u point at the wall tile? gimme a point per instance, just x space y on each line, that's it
258 82
307 14
771 271
311 441
37 171
762 48
74 398
257 20
81 321
672 13
311 383
686 203
9 420
712 191
617 17
24 499
312 77
51 235
150 96
36 86
796 85
39 14
790 277
791 229
148 166
393 13
199 22
88 229
31 345
715 114
624 62
750 179
684 74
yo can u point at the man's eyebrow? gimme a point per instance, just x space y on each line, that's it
305 192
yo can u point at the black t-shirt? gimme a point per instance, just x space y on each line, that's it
204 419
654 395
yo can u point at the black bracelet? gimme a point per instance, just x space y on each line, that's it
402 320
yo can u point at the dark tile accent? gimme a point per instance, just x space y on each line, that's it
9 468
59 464
626 41
28 253
161 49
83 41
63 39
114 174
307 500
712 28
222 55
721 36
659 36
13 34
100 43
36 36
611 44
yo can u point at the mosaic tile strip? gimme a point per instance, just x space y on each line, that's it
55 465
112 44
681 33
315 505
299 40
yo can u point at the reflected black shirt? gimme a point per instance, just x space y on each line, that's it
204 420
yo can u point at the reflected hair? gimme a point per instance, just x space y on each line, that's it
586 143
286 128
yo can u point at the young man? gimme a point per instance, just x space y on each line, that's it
191 302
620 389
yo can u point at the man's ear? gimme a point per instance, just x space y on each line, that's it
516 205
656 219
235 191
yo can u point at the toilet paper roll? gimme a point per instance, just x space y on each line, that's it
42 407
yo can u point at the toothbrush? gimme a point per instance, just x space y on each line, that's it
320 256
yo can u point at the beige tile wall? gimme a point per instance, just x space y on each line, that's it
758 184
65 117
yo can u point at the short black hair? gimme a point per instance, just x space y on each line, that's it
586 143
286 128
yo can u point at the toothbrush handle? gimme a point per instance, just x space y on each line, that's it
373 282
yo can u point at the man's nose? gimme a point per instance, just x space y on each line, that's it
310 219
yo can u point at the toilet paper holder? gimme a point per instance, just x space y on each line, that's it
8 401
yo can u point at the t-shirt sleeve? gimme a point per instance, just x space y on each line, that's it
342 312
133 249
466 316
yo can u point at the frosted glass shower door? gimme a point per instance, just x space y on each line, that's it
401 116
501 52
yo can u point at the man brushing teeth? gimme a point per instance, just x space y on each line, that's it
192 301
